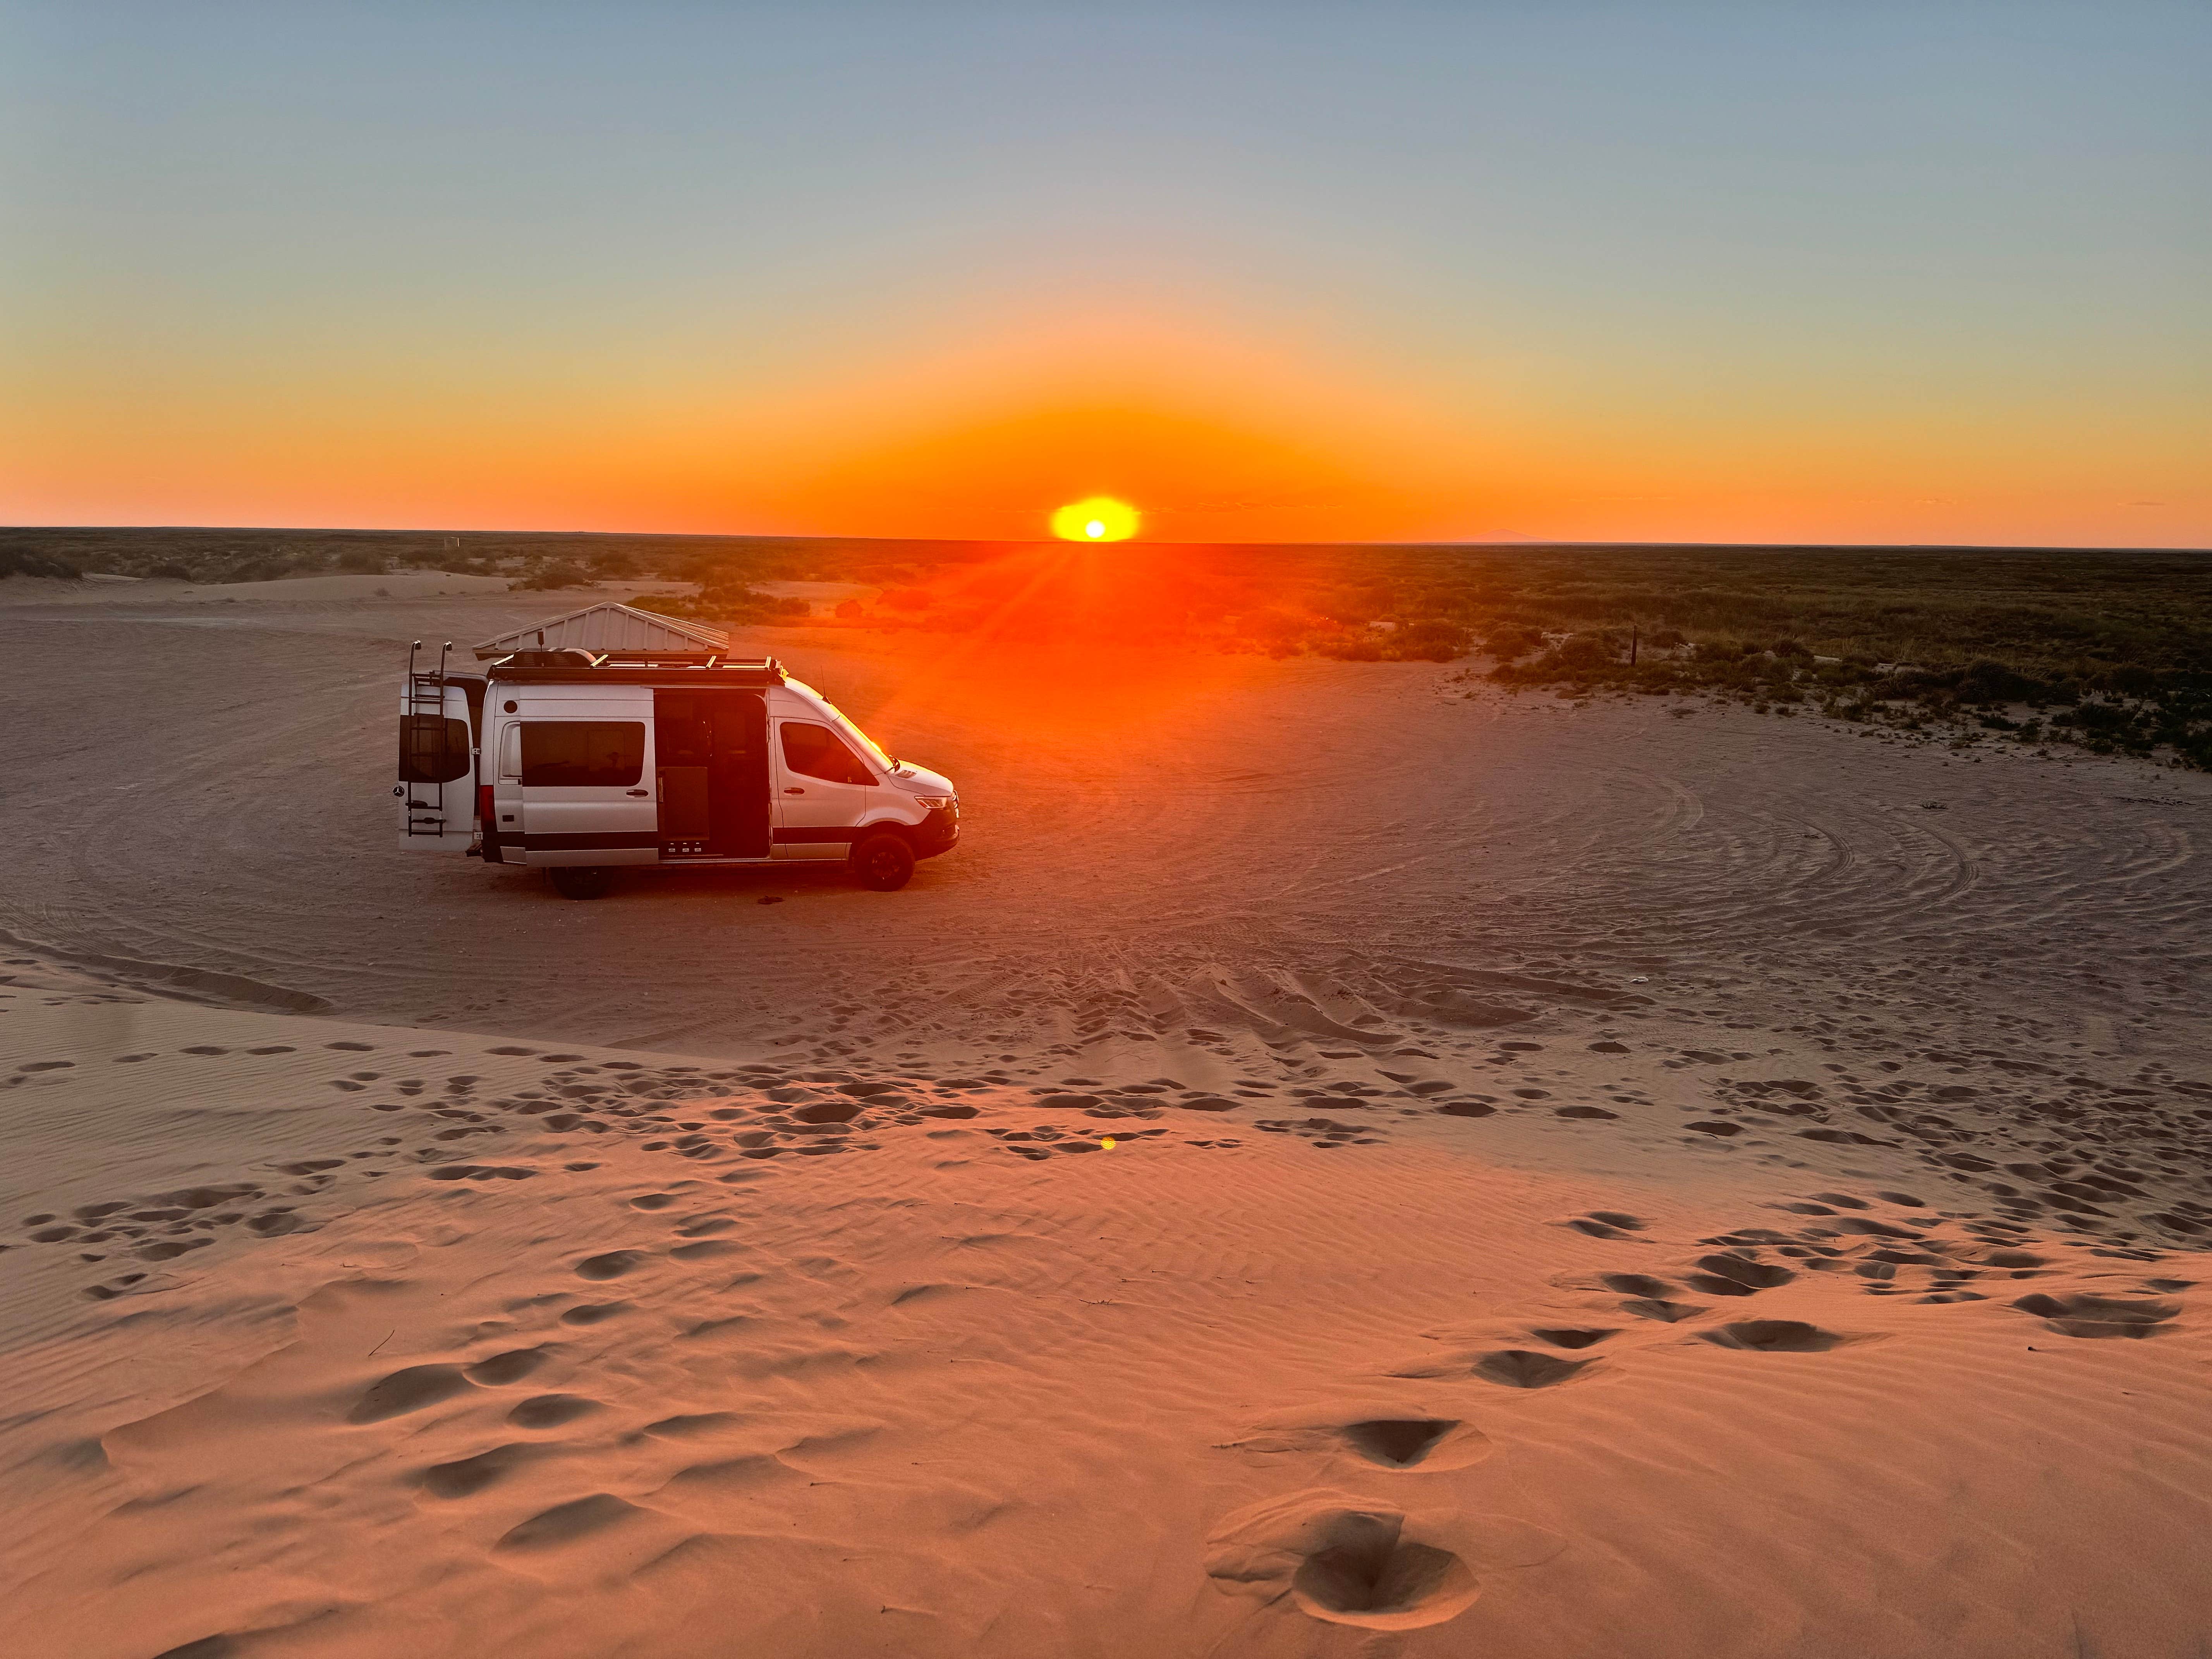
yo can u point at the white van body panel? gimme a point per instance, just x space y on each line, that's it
612 820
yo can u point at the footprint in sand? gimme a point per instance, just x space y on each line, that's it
1735 1274
1606 1224
1344 1561
2088 1315
551 1411
1526 1368
1344 1566
693 1425
610 1264
1774 1336
1372 1577
411 1389
468 1476
1658 1308
565 1522
1323 1133
502 1370
1425 1443
1416 1443
1648 1297
593 1313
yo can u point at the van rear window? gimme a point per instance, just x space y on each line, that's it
582 754
432 749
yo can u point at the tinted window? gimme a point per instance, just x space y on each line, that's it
698 731
432 749
816 751
582 754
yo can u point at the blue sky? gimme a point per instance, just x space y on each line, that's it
1904 272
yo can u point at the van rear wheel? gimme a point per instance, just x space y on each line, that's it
884 862
581 881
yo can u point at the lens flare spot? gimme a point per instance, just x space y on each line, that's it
1100 519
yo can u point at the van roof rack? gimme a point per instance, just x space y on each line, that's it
571 666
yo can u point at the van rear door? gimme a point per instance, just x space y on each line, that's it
436 792
586 790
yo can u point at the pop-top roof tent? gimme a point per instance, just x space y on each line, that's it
608 627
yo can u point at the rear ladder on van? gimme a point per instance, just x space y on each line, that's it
437 756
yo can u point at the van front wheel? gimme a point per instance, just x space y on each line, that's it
884 862
581 881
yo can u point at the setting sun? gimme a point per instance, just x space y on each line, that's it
1098 518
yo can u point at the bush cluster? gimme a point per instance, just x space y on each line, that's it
2110 649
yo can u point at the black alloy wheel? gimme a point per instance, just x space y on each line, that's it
884 862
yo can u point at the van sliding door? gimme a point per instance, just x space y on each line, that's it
587 797
711 749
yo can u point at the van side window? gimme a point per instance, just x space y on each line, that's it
432 749
816 751
582 754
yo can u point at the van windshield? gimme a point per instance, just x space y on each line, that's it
867 744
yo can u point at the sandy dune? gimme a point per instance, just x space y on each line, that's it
1583 1182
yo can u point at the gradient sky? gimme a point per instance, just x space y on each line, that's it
1666 271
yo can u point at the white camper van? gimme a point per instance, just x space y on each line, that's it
578 761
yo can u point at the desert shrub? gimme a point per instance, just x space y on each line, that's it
2129 680
274 569
361 561
1353 647
1275 626
554 573
736 606
1582 651
1352 607
1507 643
24 561
1985 680
1432 639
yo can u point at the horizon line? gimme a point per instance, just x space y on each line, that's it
1049 541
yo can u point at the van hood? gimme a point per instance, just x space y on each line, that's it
920 781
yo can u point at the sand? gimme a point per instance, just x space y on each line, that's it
1584 1181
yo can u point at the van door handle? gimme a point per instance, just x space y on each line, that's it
640 792
794 792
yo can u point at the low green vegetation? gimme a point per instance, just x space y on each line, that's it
17 561
2110 650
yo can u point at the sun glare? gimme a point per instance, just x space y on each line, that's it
1100 519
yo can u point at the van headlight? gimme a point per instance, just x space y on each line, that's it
938 803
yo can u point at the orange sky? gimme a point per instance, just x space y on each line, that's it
1418 273
1215 436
